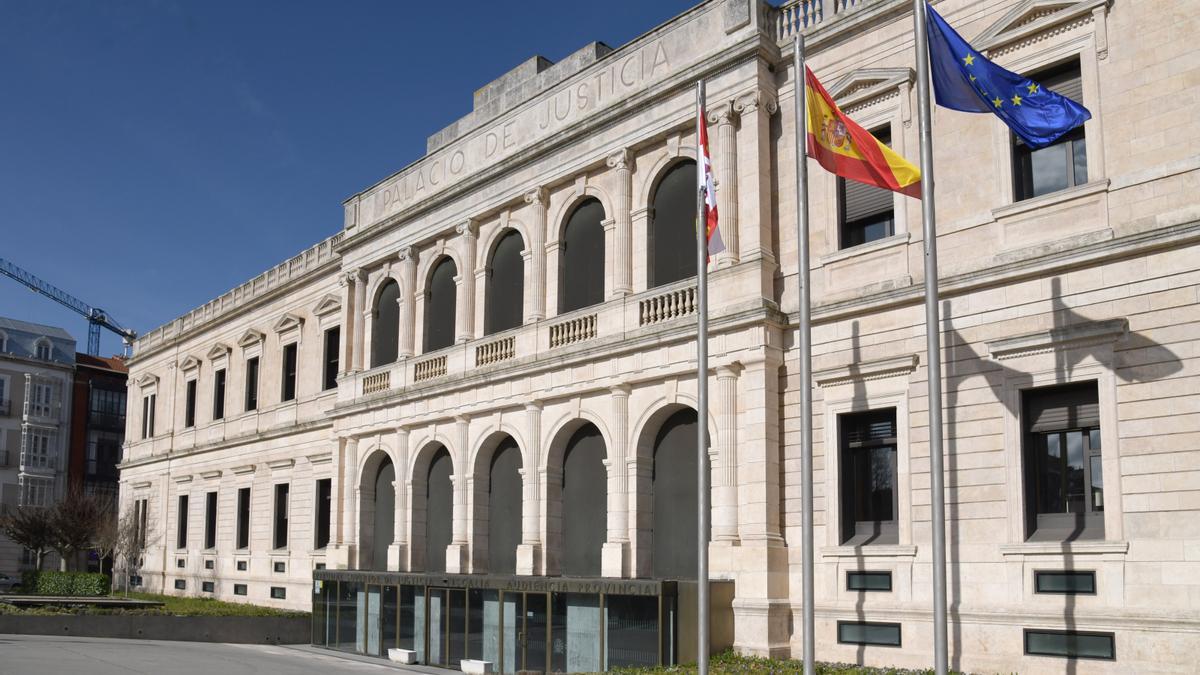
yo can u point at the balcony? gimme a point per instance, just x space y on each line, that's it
651 310
794 16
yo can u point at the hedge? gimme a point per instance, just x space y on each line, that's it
76 584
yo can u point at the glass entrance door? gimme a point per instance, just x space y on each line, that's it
447 627
532 627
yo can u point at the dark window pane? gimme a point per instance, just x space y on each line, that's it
581 258
631 623
252 384
505 293
863 633
672 245
439 306
868 477
866 212
575 633
182 515
504 508
324 497
189 415
1079 157
1069 583
243 518
289 372
333 338
210 520
281 515
385 327
676 497
1062 164
219 394
584 503
868 581
1063 467
1070 644
439 508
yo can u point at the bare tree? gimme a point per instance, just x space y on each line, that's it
75 520
107 537
132 537
30 527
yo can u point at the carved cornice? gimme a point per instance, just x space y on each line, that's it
189 363
867 84
218 351
147 380
330 304
250 338
1087 334
288 322
866 370
1031 20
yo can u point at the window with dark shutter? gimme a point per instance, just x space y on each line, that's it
865 212
210 520
189 411
1064 476
332 346
219 394
243 518
289 373
868 477
252 384
1062 164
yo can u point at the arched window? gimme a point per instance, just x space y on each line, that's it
439 510
385 513
581 258
385 330
439 306
504 508
676 498
672 233
505 294
584 503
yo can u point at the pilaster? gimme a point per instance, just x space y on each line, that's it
753 162
536 198
357 314
468 238
621 279
408 305
724 117
529 551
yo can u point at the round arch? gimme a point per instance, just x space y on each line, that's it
576 502
441 298
670 228
504 286
582 254
496 504
385 323
376 508
431 514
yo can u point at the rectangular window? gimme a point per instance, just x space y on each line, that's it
207 586
252 384
1070 644
866 212
866 633
278 593
219 395
210 520
241 565
868 581
289 373
180 585
243 518
1064 476
333 338
281 515
324 497
181 527
868 477
280 567
1065 583
141 508
210 564
181 563
189 410
239 589
148 416
1063 163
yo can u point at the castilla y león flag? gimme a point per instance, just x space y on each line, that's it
705 177
846 149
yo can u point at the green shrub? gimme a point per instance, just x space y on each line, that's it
75 584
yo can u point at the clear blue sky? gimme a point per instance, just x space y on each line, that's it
155 153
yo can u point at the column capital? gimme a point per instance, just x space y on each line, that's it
618 160
352 276
536 196
721 113
468 228
407 254
729 370
534 406
621 390
750 101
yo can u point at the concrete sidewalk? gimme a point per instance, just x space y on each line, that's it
40 654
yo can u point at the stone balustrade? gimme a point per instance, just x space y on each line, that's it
572 330
376 382
429 369
672 304
496 351
794 16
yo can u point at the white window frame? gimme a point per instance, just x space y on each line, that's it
39 344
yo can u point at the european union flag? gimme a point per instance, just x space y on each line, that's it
964 80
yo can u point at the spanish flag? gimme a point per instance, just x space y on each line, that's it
848 150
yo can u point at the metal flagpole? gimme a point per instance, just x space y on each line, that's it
701 398
805 344
933 346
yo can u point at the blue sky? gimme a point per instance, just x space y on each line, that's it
155 153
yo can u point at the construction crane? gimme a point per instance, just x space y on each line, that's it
97 318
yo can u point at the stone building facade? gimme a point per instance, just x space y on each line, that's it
524 286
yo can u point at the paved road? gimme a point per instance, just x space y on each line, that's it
47 654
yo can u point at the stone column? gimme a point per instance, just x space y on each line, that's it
724 471
529 552
345 358
621 282
350 498
468 235
753 163
726 169
536 246
359 316
457 553
408 302
614 556
397 557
